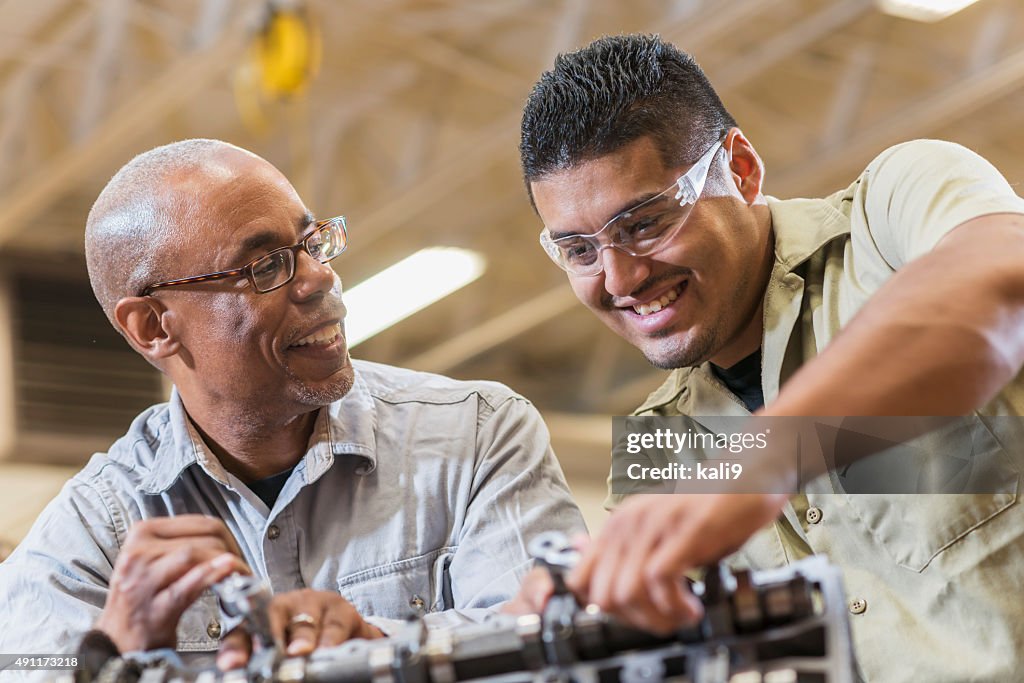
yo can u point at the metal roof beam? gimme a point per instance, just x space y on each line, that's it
111 19
945 104
182 80
781 46
495 331
28 17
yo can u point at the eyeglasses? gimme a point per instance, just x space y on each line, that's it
277 268
640 231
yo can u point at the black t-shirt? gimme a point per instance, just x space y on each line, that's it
744 380
270 488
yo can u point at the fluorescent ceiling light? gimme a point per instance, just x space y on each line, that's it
923 10
410 285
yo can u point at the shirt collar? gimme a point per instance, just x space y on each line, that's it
345 427
352 425
668 393
173 454
803 226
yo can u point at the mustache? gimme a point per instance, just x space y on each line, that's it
608 301
331 309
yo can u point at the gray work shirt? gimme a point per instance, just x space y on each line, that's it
417 493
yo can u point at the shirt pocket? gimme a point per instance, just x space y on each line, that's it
200 629
915 528
396 590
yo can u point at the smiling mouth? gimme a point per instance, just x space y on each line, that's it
661 302
324 337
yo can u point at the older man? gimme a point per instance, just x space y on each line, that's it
900 295
381 492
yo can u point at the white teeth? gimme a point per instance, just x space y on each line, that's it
323 337
659 303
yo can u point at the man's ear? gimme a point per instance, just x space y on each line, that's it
143 321
745 165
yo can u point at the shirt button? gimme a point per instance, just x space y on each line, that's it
858 606
273 532
813 515
213 629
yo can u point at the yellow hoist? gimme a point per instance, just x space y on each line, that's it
281 61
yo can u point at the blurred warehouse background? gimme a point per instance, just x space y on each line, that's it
404 116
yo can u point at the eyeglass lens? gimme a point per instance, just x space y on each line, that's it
278 267
640 231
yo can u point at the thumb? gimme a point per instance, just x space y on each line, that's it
533 595
581 542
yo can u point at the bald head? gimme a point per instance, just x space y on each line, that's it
139 217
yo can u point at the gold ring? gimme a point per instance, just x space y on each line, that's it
302 618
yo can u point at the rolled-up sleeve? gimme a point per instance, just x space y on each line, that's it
915 193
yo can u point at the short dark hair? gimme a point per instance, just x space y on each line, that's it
614 91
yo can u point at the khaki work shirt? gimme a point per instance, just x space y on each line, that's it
934 582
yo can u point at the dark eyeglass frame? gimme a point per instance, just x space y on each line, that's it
247 269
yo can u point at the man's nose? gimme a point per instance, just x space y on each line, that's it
311 276
623 273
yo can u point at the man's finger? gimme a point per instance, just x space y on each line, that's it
303 632
169 567
644 617
336 629
533 595
580 577
179 525
188 525
670 605
717 528
235 650
617 547
629 579
177 597
280 613
581 541
537 589
296 618
671 596
594 550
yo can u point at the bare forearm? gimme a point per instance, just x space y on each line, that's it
942 337
903 368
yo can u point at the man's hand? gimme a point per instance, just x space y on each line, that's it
164 566
303 621
635 569
534 593
538 587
